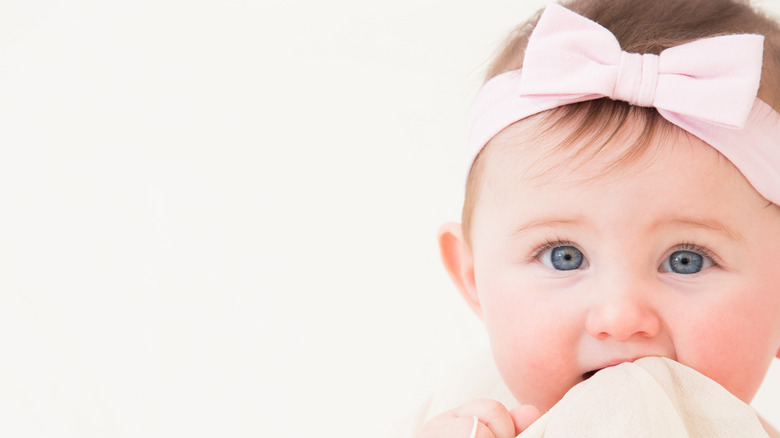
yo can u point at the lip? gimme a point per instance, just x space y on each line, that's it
610 363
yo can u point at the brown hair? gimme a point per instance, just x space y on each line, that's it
640 27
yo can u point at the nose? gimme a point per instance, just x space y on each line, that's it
623 313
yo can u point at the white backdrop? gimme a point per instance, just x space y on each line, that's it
219 216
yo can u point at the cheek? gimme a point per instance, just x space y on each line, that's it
516 332
739 368
523 320
734 341
533 342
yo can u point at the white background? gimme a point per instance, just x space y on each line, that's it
218 217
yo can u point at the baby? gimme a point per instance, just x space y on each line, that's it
622 202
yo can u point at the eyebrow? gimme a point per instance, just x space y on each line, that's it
545 222
705 224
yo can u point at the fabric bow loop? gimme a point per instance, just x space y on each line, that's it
714 79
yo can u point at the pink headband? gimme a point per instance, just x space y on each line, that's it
707 87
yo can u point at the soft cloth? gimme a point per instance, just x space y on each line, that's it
651 397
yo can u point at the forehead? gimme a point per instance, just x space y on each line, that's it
544 150
534 164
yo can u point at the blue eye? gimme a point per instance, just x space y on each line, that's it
563 258
686 262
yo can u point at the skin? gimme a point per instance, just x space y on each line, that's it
549 328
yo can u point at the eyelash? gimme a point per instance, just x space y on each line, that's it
703 250
548 244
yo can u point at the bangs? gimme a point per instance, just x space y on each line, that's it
606 135
599 128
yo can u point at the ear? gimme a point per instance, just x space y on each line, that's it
459 262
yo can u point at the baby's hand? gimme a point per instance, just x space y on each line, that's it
493 420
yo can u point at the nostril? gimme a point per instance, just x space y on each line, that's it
623 319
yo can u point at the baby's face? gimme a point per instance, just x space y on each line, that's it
675 256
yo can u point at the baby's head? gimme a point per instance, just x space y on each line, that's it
598 232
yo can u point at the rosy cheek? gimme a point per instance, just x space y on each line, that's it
724 352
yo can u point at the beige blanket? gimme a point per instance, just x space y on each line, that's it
652 397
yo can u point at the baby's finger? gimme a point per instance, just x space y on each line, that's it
523 416
455 427
493 418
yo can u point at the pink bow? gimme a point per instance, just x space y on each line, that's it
706 87
713 79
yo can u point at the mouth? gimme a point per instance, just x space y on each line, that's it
590 374
608 364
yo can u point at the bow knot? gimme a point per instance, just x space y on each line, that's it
713 79
637 78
